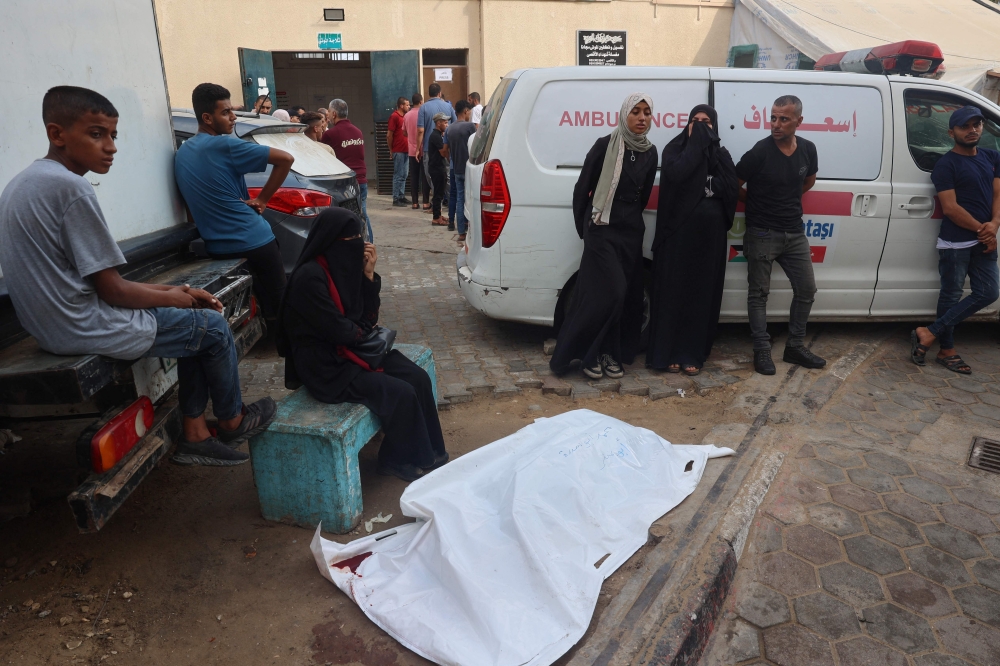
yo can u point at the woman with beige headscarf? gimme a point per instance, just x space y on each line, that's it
603 316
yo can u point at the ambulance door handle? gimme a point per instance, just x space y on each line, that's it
916 206
865 205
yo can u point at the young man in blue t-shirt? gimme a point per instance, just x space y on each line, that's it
61 263
967 180
209 170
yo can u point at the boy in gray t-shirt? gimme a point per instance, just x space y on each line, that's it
60 264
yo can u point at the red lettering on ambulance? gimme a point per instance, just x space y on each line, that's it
582 119
565 119
597 118
665 120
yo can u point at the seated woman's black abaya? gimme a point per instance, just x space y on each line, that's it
605 313
698 193
312 333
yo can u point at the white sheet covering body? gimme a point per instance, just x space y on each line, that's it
499 567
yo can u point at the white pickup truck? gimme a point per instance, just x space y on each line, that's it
60 406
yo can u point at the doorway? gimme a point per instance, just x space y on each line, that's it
449 69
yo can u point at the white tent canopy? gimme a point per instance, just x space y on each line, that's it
965 30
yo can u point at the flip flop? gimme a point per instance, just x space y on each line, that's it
689 373
918 352
673 369
955 364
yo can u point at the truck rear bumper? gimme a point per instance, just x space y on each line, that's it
532 306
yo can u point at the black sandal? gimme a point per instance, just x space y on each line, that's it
691 370
673 368
955 364
918 352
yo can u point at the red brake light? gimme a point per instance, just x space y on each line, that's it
295 201
120 435
495 200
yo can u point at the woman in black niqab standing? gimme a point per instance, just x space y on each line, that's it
315 336
603 321
698 193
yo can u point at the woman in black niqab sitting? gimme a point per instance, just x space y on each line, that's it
698 193
315 337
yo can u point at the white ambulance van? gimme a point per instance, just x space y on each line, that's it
872 218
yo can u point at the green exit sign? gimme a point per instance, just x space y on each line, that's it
330 41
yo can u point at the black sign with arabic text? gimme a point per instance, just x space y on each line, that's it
600 47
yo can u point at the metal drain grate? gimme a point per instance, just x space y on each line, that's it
985 455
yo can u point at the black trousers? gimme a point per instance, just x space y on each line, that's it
418 182
268 273
438 183
403 399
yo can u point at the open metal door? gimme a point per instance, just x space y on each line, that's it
256 76
395 74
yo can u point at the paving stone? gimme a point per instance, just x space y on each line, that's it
925 490
767 535
910 507
835 519
742 642
993 543
915 428
929 417
905 400
989 399
838 455
632 386
787 574
919 391
804 489
786 509
986 411
947 407
987 572
940 478
877 420
812 544
892 375
826 616
950 539
919 595
862 403
846 412
879 385
939 660
872 480
855 586
806 451
980 603
855 497
555 386
894 529
899 628
792 645
762 606
822 471
895 412
874 554
978 499
973 640
966 384
870 431
863 651
927 380
957 396
888 464
968 519
938 566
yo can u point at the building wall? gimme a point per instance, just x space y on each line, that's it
200 37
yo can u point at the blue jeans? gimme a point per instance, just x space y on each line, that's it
763 247
203 345
364 211
400 170
458 193
952 309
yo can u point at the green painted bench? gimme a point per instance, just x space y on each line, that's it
305 465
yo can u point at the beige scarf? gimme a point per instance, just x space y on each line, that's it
621 138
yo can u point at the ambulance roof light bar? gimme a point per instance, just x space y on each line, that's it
912 57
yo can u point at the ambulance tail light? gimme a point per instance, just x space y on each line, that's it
120 435
495 199
296 201
912 57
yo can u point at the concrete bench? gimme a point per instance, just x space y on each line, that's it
305 465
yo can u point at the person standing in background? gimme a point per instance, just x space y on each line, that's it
282 115
477 109
418 179
437 165
262 105
425 124
395 138
348 143
457 137
296 112
315 127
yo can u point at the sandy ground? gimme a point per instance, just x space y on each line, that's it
188 572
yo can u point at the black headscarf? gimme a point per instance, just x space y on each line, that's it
345 258
684 169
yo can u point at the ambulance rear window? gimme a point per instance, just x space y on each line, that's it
480 150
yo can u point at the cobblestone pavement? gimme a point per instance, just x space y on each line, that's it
476 355
876 544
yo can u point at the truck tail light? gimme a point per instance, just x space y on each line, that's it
120 435
495 200
296 201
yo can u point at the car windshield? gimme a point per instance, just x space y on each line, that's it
311 159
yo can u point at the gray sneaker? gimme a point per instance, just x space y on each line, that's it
210 452
612 368
256 417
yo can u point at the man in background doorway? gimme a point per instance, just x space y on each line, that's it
395 138
348 144
458 150
425 125
437 165
262 105
295 112
418 179
477 109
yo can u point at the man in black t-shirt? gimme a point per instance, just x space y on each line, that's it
777 171
437 154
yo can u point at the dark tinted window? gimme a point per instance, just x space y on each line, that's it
480 150
927 114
